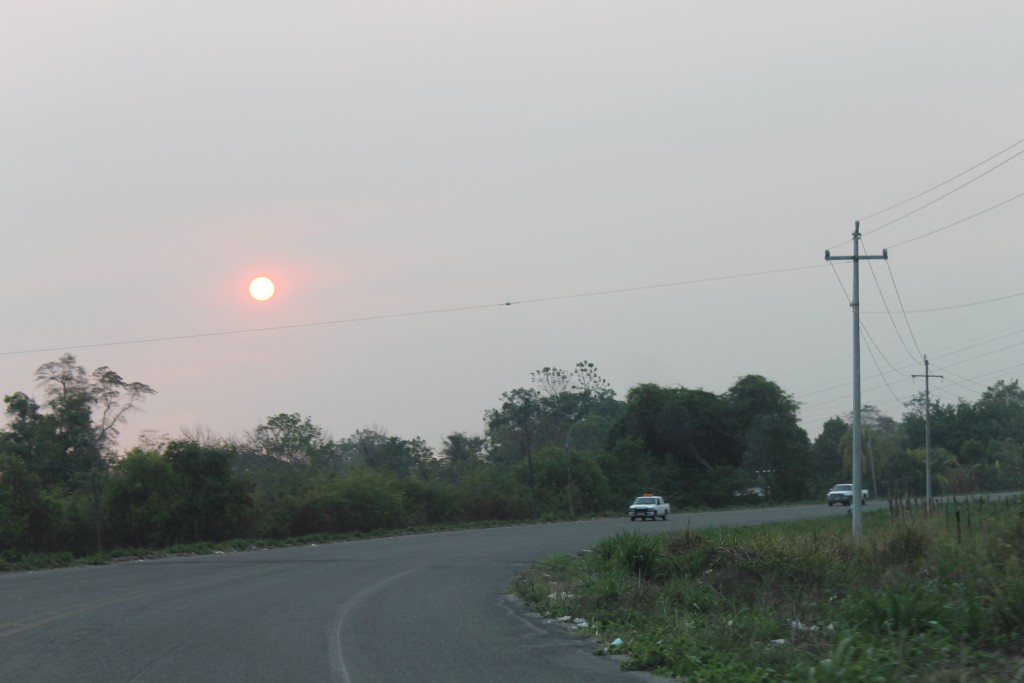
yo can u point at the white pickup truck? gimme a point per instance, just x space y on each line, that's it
843 494
648 507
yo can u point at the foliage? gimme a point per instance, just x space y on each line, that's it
363 500
803 601
562 446
708 449
212 502
141 500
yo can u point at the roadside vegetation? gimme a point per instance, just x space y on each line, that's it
935 597
562 447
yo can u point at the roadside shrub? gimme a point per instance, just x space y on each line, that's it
906 543
638 553
850 663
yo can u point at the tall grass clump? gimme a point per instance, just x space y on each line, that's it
917 597
635 553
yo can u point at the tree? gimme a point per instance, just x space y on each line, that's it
828 454
685 428
884 447
292 439
88 411
362 500
518 419
387 454
33 436
570 396
18 494
776 448
462 453
141 497
1000 411
211 502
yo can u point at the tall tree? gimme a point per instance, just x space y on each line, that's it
569 397
462 453
687 428
776 448
89 412
140 499
828 454
292 439
211 501
518 418
392 455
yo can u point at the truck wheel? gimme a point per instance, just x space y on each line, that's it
632 519
830 503
664 516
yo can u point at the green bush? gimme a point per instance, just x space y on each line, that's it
910 600
635 552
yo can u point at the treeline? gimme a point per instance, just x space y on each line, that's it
562 446
975 446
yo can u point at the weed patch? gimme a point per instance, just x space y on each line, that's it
915 599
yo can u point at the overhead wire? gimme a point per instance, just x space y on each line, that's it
888 311
407 314
950 308
892 320
899 299
958 222
877 367
943 368
963 380
943 196
944 182
879 349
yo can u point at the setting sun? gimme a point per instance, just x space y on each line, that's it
261 288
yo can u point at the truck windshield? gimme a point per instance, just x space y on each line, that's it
645 501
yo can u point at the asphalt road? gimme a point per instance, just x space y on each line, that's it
414 608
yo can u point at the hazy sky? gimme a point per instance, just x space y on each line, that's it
402 169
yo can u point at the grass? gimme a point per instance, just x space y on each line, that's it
918 597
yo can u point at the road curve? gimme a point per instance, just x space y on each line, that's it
412 608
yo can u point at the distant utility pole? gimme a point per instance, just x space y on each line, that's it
856 504
927 435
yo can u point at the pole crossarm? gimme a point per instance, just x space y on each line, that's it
856 503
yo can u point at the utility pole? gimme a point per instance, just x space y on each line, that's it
856 503
927 435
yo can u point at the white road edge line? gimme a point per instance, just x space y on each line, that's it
338 660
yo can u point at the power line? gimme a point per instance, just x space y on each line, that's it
899 299
408 314
950 308
943 196
987 353
840 280
962 220
875 361
964 381
879 349
892 320
944 182
843 385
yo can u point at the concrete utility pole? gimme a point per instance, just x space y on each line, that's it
927 435
856 504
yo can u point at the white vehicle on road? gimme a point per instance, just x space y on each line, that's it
648 506
843 495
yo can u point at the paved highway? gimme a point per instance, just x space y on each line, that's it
413 608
